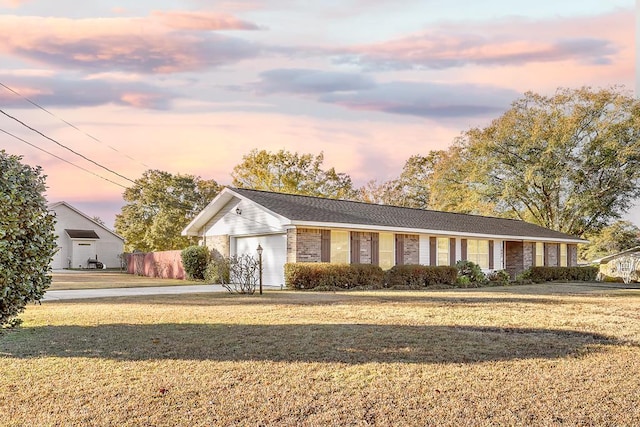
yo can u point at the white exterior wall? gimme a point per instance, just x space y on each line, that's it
424 249
498 255
252 220
107 247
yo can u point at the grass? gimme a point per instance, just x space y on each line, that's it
101 279
561 354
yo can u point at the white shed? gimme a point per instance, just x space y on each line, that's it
80 239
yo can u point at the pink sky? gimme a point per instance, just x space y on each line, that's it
187 87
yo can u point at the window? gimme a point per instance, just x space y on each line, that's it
539 254
386 250
478 252
563 255
339 247
443 251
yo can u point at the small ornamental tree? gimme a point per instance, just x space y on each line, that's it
27 240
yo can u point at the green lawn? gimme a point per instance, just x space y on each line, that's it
559 354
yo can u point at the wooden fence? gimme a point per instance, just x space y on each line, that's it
164 265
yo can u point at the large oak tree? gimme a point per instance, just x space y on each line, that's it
293 173
159 206
569 162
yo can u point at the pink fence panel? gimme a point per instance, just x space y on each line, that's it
163 265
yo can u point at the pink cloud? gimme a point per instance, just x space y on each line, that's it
512 41
145 45
13 4
202 21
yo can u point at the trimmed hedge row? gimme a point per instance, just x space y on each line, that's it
312 275
417 276
548 274
309 275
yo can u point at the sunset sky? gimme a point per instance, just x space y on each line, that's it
192 86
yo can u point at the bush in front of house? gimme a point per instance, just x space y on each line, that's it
548 274
498 278
414 276
470 275
313 275
195 260
239 274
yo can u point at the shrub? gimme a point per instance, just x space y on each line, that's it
239 274
217 271
415 276
195 260
27 240
311 275
499 278
547 274
472 272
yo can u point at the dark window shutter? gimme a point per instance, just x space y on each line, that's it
355 247
452 251
433 250
491 261
463 249
375 248
325 246
546 254
399 249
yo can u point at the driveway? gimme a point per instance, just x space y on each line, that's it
127 292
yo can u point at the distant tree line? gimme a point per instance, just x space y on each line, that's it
569 162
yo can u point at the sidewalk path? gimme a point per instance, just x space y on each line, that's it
126 292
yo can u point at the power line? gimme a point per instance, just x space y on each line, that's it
35 104
60 158
65 147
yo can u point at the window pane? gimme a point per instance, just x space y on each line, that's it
339 247
478 252
443 251
563 255
386 241
539 254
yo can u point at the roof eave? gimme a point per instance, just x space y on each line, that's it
407 230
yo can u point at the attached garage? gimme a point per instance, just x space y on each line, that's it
274 254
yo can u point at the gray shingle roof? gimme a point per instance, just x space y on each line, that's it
316 209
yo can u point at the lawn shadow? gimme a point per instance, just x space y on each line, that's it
339 343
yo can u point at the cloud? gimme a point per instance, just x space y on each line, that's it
432 100
12 4
144 45
360 92
210 21
504 42
305 81
60 92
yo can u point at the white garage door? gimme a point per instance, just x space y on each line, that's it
274 255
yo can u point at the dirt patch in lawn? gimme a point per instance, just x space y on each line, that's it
88 279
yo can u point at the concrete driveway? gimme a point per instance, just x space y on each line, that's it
127 292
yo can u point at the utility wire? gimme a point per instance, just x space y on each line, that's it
35 104
60 158
65 147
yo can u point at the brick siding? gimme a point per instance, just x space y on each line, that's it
411 249
218 245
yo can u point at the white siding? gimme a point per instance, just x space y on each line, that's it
274 255
250 220
498 255
424 249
